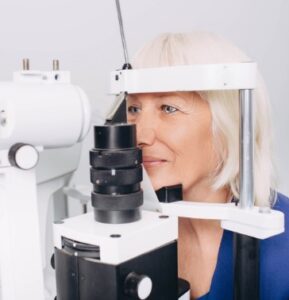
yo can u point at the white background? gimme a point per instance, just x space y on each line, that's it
84 35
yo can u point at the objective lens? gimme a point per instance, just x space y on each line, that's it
116 173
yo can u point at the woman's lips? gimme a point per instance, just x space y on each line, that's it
150 161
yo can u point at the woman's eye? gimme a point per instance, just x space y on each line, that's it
168 109
133 109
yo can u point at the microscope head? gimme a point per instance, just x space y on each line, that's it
42 109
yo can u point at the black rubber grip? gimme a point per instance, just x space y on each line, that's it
115 158
117 202
116 189
116 176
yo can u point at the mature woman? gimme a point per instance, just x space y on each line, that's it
192 138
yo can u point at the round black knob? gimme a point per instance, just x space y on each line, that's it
52 261
138 286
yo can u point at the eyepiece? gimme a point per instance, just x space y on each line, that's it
115 137
116 173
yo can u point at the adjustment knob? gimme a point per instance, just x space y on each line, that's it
23 156
52 262
138 286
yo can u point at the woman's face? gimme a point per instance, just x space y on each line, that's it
174 132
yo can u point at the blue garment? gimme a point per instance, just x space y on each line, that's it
274 264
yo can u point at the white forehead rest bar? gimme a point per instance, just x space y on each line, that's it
185 78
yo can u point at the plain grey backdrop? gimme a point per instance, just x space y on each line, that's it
84 35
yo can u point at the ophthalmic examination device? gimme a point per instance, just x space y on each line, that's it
124 251
38 111
126 248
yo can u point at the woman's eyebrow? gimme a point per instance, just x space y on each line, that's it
175 98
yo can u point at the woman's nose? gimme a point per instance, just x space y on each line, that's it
145 135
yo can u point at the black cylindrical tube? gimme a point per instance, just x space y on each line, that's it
246 267
116 173
115 137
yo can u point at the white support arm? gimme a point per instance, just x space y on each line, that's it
252 222
256 222
185 78
20 251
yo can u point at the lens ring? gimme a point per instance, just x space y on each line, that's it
115 158
116 176
117 202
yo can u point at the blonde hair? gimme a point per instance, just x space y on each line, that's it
204 48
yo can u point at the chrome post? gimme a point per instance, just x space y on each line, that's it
246 149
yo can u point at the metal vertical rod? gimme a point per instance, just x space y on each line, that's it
246 150
55 65
246 248
25 64
84 208
122 32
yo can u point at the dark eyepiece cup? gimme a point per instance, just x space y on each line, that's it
116 173
115 137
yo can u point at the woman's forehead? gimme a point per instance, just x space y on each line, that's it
183 96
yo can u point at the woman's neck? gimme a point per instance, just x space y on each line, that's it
199 241
203 192
203 229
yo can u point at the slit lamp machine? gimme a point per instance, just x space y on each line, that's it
126 248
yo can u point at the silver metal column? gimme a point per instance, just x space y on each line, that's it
246 248
25 64
55 65
246 149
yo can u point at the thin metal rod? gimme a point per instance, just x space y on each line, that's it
122 32
246 149
25 64
55 65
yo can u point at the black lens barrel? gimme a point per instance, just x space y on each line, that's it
116 173
115 159
115 137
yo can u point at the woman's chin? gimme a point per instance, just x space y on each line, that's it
159 177
158 184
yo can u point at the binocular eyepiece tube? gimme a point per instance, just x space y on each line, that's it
116 174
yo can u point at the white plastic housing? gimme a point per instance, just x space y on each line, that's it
185 78
186 296
135 238
252 222
257 222
20 252
42 112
